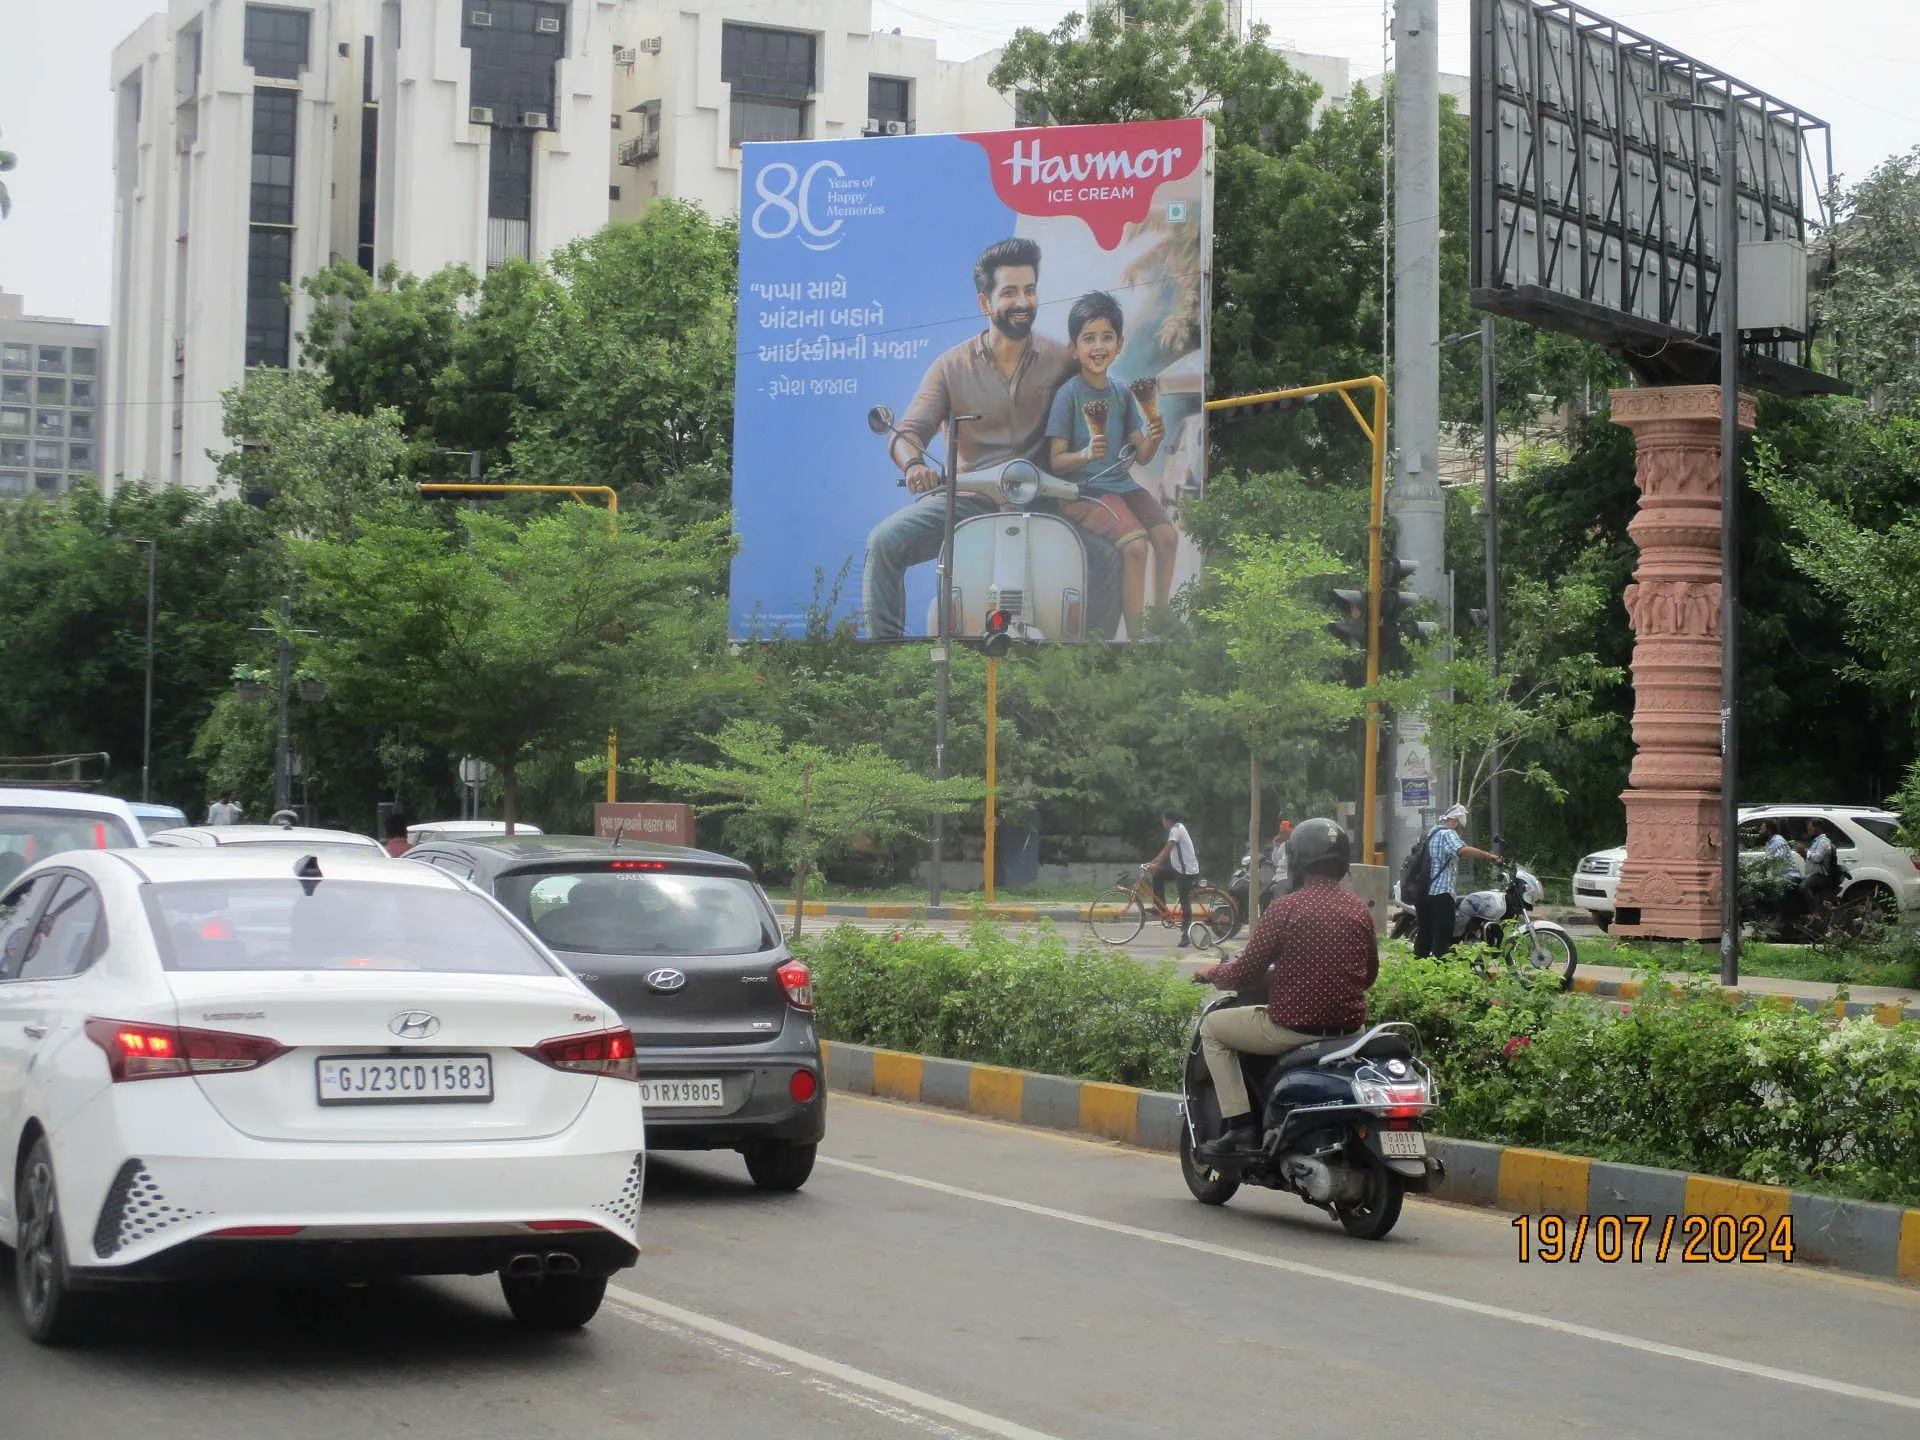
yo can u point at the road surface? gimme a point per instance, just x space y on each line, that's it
947 1276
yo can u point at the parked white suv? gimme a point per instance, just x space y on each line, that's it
1864 844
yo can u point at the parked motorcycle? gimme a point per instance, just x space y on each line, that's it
1342 1124
1239 886
1503 920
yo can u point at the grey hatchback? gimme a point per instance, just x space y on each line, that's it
684 944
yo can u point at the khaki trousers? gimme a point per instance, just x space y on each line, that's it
1245 1029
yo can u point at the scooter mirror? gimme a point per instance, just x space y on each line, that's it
880 419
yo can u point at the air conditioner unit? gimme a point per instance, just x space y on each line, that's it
872 127
547 25
480 19
625 55
480 115
896 127
651 45
534 119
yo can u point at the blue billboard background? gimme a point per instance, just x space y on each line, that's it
856 271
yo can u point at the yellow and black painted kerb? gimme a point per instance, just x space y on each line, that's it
1672 1217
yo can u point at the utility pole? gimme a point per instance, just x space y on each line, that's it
1489 417
146 724
943 649
1419 512
282 777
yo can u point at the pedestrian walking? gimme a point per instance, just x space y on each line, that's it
1444 845
226 810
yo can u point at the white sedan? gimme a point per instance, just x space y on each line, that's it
253 1064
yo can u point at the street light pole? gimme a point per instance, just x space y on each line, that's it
943 599
1729 308
282 777
1489 415
146 723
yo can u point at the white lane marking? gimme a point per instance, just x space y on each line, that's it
832 1370
1404 1292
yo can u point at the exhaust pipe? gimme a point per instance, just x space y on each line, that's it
562 1262
526 1266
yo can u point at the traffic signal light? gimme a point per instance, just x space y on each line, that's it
1397 624
1352 627
999 631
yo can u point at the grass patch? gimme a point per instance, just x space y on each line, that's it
1894 962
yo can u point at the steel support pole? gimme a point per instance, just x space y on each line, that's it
1729 308
1489 418
282 778
943 665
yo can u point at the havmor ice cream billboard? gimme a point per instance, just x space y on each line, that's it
1039 293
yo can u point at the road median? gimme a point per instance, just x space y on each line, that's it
1859 1236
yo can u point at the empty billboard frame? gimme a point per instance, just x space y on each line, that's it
1596 205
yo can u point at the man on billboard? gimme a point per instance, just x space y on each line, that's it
1006 377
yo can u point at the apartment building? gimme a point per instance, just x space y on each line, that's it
255 144
50 401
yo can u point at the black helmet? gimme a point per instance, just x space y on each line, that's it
1318 847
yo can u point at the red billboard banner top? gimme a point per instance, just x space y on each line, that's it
1105 174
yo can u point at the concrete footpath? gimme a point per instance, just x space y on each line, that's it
1886 1004
1855 1235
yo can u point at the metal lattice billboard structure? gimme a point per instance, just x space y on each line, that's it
1596 206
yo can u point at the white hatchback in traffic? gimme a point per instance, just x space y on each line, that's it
251 1064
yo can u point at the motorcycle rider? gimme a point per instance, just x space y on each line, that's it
1444 845
1319 943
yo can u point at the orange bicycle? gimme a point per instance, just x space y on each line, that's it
1119 913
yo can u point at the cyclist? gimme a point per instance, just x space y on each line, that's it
1175 858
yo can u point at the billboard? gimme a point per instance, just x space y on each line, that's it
1597 206
1042 291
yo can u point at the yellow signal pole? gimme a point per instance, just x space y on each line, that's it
993 742
1376 433
605 492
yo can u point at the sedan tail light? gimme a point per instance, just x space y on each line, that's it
137 1050
798 983
597 1052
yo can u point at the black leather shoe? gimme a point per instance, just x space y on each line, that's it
1242 1135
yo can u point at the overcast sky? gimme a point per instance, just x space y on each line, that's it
1854 63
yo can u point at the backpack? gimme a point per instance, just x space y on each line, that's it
1417 871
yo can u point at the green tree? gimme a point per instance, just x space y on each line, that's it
315 467
814 797
512 641
1287 682
1871 302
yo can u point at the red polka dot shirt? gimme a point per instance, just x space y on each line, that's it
1321 946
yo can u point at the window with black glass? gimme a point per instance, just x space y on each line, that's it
80 425
82 393
80 457
275 121
509 196
276 41
13 453
53 359
50 422
51 390
369 156
269 272
15 389
888 99
513 57
49 455
85 360
773 76
16 357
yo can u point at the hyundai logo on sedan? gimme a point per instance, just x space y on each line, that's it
665 979
414 1024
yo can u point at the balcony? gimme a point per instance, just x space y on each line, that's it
640 149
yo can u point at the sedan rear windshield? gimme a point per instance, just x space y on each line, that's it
32 834
342 925
641 912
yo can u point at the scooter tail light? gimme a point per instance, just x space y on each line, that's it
594 1052
139 1050
797 981
1397 1102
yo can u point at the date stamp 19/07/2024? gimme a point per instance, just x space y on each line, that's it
1640 1239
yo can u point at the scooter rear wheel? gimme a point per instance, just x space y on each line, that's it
1373 1217
1209 1187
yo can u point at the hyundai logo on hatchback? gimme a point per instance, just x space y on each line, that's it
414 1024
664 979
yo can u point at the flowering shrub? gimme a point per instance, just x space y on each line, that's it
1681 1078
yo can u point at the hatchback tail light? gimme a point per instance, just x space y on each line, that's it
798 983
597 1052
137 1050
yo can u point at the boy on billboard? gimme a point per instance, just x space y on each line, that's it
1089 427
1007 376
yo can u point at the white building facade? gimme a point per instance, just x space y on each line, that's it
50 401
257 144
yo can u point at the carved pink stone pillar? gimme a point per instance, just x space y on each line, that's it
1670 885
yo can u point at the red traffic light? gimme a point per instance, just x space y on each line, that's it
999 631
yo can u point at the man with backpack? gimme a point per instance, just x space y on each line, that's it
1427 881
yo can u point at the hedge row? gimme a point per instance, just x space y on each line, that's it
1683 1078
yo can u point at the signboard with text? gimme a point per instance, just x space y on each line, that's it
1046 289
655 823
